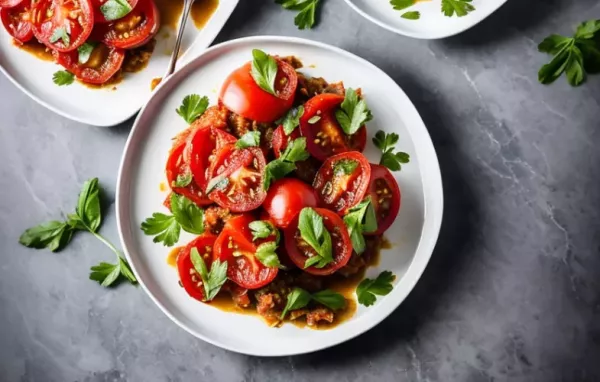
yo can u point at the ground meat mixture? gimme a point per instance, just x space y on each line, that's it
319 314
214 116
309 87
239 126
138 58
215 218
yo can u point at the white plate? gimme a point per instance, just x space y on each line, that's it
413 234
432 24
104 107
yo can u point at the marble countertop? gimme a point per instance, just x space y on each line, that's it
511 293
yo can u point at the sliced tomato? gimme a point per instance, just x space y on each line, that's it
239 174
103 63
99 16
342 181
11 3
75 18
135 29
235 245
17 21
286 198
243 96
385 197
324 136
299 251
189 277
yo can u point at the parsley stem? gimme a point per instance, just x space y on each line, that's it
107 243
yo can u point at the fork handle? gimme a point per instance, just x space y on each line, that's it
187 7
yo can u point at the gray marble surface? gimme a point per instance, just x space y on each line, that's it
511 293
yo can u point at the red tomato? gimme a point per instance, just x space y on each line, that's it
286 198
299 251
235 245
325 137
17 21
74 18
280 140
103 63
243 96
385 197
99 16
11 3
135 29
342 181
242 172
189 277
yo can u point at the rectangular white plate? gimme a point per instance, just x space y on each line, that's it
103 107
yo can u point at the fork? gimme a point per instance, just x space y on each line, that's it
187 7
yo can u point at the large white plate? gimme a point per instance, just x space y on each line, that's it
413 234
432 24
104 107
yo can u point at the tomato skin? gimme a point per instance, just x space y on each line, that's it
386 204
140 25
342 192
16 21
286 198
99 16
204 243
245 270
48 15
10 3
111 63
243 96
342 246
325 137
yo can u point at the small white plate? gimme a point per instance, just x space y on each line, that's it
432 24
413 235
104 107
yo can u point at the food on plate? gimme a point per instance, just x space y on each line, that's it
449 8
287 210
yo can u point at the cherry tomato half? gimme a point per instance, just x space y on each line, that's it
11 3
102 64
299 251
286 198
385 197
241 173
324 136
74 18
189 277
17 21
342 181
99 16
243 96
135 29
235 245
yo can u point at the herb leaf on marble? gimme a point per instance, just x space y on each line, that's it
306 11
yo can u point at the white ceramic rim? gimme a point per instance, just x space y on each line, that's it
433 200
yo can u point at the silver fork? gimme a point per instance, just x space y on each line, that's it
187 7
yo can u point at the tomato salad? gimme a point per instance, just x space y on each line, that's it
273 181
94 40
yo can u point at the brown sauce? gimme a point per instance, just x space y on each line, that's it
37 49
172 256
153 84
170 11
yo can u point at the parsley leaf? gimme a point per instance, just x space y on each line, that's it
295 151
306 11
250 139
63 78
361 218
183 180
264 70
402 4
266 254
115 9
106 274
314 119
353 112
212 280
414 15
167 228
54 235
298 298
219 182
291 119
87 213
285 164
344 167
60 33
262 229
386 143
368 289
192 107
314 233
85 51
187 214
330 299
459 7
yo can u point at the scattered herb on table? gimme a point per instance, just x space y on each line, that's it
306 9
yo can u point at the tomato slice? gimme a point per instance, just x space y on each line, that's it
104 62
299 250
74 18
324 136
342 181
243 96
135 29
11 3
17 21
189 277
241 173
235 245
385 197
286 198
99 16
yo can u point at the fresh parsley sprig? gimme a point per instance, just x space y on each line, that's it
262 229
192 107
264 70
360 219
368 289
212 280
291 119
60 33
459 8
402 4
387 144
166 229
298 298
266 252
85 51
286 163
63 78
307 10
574 56
412 15
115 9
344 167
55 235
314 233
353 112
250 139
